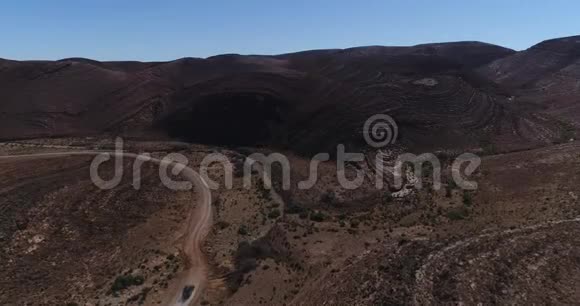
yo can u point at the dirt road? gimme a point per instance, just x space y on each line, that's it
199 222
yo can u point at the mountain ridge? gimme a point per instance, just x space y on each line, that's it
317 98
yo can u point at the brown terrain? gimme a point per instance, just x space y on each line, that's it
513 240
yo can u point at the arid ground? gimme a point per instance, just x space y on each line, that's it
512 240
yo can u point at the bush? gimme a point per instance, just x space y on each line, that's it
452 184
328 197
317 217
457 214
222 225
274 214
247 257
387 198
293 208
467 199
243 230
448 191
125 281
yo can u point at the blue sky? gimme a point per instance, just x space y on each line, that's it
165 30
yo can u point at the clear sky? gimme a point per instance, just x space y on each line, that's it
165 30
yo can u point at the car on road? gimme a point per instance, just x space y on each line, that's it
186 293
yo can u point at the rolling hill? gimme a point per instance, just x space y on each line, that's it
446 96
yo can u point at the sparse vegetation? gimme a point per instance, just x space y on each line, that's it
222 224
467 198
387 198
125 281
567 132
328 197
457 214
293 208
448 191
317 216
275 213
243 230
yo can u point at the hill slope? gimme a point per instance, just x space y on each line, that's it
307 101
545 76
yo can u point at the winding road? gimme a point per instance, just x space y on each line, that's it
198 224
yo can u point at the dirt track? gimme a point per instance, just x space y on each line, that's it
424 276
199 222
